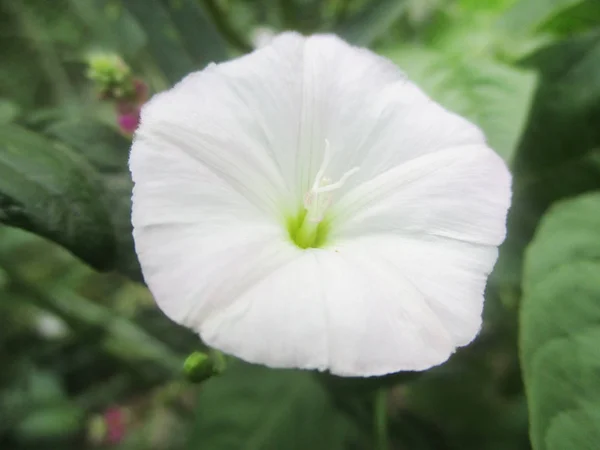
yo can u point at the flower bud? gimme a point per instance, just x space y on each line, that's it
111 75
128 122
199 367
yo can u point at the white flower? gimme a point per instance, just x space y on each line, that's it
308 206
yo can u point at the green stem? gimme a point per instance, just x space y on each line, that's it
380 422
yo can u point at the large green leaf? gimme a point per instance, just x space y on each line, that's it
256 408
104 147
120 187
48 189
494 96
108 152
560 327
582 16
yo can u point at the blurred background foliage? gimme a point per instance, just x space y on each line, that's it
89 362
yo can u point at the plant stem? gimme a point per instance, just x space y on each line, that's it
380 422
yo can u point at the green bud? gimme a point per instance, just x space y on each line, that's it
110 74
219 362
199 367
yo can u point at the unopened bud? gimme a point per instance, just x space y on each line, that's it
199 367
128 122
111 75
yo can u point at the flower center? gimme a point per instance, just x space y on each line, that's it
310 229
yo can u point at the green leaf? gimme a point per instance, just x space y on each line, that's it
559 153
47 189
364 27
120 187
560 327
582 16
528 15
108 151
180 37
255 408
494 96
104 147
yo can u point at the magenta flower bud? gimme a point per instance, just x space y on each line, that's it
114 420
128 122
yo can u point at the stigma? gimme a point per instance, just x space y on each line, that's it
319 197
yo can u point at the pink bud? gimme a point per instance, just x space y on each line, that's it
128 122
115 425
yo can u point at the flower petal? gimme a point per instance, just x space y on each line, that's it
437 220
369 113
461 193
448 276
342 312
234 119
408 125
194 276
279 321
261 122
192 228
378 322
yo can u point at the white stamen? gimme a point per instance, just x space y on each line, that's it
324 165
339 184
314 201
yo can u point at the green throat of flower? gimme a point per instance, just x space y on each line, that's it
307 234
310 227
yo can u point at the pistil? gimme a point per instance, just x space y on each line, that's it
316 202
